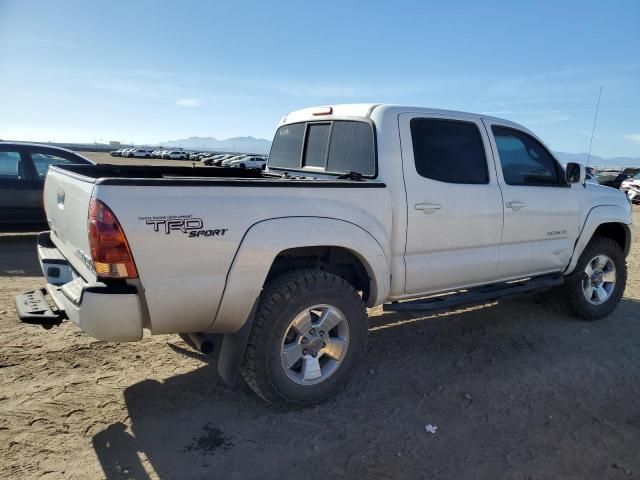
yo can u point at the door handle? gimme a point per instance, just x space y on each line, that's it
428 207
515 205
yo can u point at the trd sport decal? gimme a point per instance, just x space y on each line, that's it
186 224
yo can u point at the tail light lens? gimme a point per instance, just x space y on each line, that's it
109 248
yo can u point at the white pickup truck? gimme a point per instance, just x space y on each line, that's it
360 205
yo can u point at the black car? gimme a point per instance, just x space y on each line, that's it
23 168
613 179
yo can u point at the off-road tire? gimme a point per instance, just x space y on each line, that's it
281 300
572 288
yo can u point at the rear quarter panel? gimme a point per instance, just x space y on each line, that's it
183 277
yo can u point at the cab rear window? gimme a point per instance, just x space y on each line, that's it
337 146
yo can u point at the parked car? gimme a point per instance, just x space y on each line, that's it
395 207
230 159
218 161
249 162
616 182
629 182
116 153
174 155
614 178
139 153
633 193
214 159
606 177
23 168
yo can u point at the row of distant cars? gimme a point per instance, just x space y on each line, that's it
147 153
251 162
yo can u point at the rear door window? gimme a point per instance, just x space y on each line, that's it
449 151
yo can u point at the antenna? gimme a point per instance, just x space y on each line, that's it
594 126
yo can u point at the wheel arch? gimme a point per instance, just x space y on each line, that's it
616 231
338 260
611 221
274 246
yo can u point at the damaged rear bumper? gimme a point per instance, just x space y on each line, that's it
107 312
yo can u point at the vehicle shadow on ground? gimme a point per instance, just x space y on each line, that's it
419 368
18 255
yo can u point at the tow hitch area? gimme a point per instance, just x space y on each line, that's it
32 307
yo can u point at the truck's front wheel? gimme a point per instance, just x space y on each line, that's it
598 281
309 334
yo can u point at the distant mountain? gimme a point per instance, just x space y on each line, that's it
564 158
236 144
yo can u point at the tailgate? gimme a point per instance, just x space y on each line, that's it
66 201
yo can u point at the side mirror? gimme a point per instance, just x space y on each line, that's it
575 173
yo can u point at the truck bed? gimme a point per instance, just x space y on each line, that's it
110 174
183 271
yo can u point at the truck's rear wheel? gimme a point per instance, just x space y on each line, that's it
598 281
309 334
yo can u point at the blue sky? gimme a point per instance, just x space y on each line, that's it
153 71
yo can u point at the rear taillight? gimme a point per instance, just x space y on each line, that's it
109 248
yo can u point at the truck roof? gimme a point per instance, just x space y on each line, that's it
367 110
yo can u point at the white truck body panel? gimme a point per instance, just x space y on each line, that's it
538 236
194 270
66 199
453 230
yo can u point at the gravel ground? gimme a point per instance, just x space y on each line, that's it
517 390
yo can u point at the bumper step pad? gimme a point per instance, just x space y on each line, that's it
32 307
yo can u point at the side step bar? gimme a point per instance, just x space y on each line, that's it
476 295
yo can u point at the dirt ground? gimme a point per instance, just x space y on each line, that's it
517 390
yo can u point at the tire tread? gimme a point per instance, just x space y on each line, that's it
277 293
573 283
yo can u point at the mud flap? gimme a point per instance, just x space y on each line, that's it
232 349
